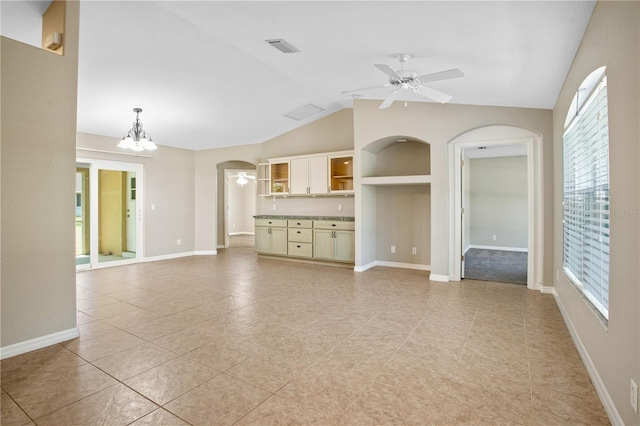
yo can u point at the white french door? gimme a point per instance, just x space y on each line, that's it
109 222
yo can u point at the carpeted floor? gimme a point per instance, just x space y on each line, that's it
496 265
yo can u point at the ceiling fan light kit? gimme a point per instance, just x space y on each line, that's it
405 80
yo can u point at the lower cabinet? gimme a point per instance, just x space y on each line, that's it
271 236
334 240
306 238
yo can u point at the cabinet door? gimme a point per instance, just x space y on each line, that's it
318 175
279 175
323 244
345 246
279 241
262 239
299 176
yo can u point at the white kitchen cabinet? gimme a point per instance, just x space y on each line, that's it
271 236
334 240
309 176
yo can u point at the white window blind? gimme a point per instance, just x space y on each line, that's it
585 146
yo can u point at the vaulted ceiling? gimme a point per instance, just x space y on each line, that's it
205 77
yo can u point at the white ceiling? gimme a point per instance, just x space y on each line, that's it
204 76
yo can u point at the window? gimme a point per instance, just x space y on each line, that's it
585 148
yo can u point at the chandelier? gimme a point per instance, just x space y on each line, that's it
136 139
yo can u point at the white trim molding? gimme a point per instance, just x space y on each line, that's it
206 252
38 343
169 256
392 265
439 278
605 398
518 249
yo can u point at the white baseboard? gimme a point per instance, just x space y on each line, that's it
38 343
403 265
206 252
545 289
518 249
440 278
169 256
605 398
391 265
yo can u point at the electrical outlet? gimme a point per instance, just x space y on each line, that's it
274 207
179 241
340 207
634 396
494 238
414 250
393 249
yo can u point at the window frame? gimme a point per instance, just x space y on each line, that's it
592 86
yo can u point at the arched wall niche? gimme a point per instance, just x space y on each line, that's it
395 196
399 155
220 201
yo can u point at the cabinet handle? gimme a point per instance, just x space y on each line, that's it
298 223
297 232
333 224
298 246
270 222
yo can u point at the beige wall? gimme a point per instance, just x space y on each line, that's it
38 96
53 21
611 39
437 125
206 184
498 201
169 184
331 133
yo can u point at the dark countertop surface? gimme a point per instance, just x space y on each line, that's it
340 218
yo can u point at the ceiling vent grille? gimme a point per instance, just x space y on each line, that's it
303 112
283 45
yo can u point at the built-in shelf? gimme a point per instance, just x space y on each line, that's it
396 180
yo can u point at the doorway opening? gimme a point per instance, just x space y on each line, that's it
497 137
108 213
240 206
495 213
224 224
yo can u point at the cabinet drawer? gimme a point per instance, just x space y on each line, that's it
300 223
300 235
276 223
334 224
300 249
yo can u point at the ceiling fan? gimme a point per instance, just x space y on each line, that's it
242 178
408 80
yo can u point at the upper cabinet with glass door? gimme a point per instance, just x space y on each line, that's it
312 175
279 175
341 174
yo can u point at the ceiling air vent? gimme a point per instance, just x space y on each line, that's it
283 45
303 112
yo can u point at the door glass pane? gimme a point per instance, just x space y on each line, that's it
83 246
116 215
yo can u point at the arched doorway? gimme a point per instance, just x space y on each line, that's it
497 137
227 174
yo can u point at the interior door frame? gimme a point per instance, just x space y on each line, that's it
227 182
535 204
94 166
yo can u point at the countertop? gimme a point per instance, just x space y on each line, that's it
336 218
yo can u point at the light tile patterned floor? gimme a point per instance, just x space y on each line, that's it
233 339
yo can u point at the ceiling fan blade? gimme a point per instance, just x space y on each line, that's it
389 71
427 92
392 97
364 88
442 75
